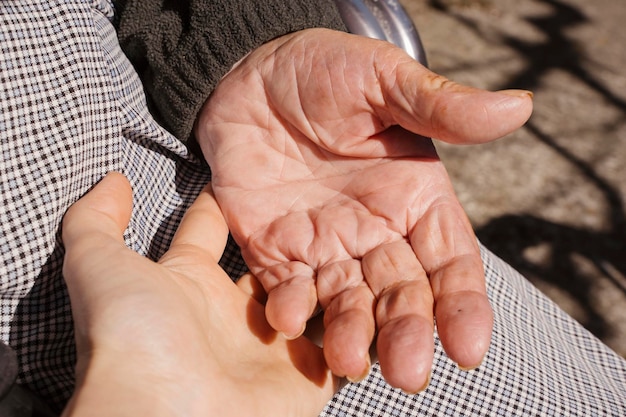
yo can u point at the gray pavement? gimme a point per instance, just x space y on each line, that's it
549 199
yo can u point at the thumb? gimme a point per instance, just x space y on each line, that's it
431 105
93 227
98 217
92 233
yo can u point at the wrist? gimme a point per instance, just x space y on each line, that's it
245 83
120 384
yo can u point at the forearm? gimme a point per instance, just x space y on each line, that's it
181 53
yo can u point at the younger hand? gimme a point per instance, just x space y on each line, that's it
177 337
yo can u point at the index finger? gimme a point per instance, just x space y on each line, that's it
203 227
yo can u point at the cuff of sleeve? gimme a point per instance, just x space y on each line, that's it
218 38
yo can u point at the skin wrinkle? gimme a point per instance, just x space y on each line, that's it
324 284
412 214
435 116
360 251
396 90
287 255
313 251
342 303
226 147
329 141
391 299
392 99
314 219
388 221
437 276
342 242
316 252
285 157
295 269
324 138
332 162
233 219
381 109
310 130
234 150
361 95
345 273
438 84
362 88
379 259
225 126
434 207
462 294
326 158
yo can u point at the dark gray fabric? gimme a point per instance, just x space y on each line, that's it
15 400
8 369
181 49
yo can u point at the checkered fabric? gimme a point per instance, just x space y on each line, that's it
541 363
72 109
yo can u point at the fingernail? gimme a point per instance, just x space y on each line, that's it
517 93
362 376
422 388
471 367
297 335
467 368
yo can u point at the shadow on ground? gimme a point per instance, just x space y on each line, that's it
512 236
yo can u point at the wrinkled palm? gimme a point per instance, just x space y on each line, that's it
321 165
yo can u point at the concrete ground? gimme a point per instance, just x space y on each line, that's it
550 198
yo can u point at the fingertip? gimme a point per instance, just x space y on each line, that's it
290 305
106 207
513 111
422 388
347 340
406 353
517 93
478 116
251 286
203 225
471 367
461 114
114 186
465 327
360 376
294 335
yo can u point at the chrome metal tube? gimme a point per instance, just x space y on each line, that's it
383 19
359 19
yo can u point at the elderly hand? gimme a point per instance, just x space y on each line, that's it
177 337
321 165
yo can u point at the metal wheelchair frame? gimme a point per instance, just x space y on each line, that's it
383 19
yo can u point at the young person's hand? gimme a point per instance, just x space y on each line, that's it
321 164
177 337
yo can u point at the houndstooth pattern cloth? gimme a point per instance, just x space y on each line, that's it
72 109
